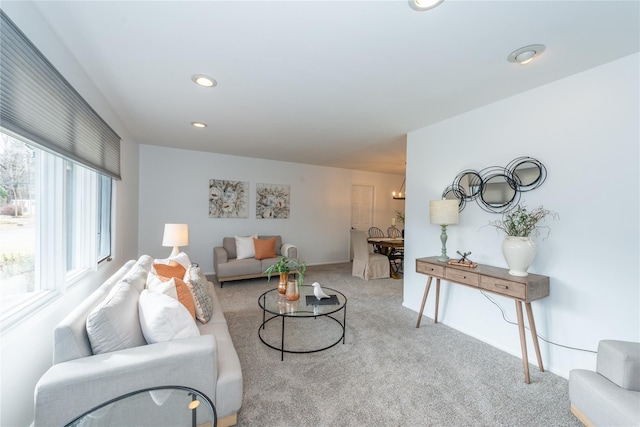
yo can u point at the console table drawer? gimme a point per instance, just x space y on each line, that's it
504 287
430 269
464 277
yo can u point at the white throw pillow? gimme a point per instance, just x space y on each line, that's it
136 278
114 324
154 284
245 248
181 259
163 318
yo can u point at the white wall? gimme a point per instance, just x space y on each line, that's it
174 187
584 129
26 349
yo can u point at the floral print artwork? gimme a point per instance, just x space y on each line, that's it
228 199
272 201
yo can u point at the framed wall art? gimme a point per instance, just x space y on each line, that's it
228 199
272 201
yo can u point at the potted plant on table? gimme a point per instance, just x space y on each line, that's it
284 267
519 225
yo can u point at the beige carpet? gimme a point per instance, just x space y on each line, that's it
387 373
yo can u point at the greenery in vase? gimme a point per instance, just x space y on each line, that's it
521 222
400 216
286 265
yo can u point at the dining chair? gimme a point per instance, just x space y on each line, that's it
396 260
367 265
396 256
376 232
394 232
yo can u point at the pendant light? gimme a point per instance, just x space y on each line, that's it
399 195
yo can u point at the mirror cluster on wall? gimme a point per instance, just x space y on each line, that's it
497 189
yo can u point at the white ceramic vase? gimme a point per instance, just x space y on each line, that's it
519 253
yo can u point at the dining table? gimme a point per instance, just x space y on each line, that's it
388 243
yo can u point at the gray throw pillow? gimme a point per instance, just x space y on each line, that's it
114 324
199 286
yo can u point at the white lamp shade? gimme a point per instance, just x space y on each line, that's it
443 212
175 235
421 5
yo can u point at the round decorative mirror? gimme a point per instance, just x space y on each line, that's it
497 189
468 184
450 193
527 173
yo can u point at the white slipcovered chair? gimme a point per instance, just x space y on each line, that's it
366 264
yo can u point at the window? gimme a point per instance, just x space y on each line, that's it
104 217
57 161
17 227
55 225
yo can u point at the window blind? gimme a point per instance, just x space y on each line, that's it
37 103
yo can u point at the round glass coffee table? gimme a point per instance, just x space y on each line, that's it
309 307
168 406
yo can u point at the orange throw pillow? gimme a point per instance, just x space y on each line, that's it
185 297
173 269
184 294
265 248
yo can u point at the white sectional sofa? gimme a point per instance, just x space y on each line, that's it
79 380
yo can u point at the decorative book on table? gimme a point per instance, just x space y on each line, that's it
332 300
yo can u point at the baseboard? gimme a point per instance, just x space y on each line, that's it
582 417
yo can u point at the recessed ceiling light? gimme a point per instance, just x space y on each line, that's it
204 81
422 5
524 55
198 125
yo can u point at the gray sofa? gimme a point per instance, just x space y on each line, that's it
611 395
228 267
79 380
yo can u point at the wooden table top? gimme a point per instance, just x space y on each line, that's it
394 242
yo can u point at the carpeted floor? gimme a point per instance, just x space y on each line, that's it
387 373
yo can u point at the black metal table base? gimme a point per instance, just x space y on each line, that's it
282 348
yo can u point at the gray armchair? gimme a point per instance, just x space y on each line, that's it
611 395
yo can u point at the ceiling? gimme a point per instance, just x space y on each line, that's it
333 83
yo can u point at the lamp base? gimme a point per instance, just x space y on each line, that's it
443 238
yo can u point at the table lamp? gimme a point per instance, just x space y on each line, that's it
443 212
175 235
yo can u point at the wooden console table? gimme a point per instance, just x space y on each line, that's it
495 280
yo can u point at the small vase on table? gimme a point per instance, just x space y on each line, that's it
282 284
292 293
